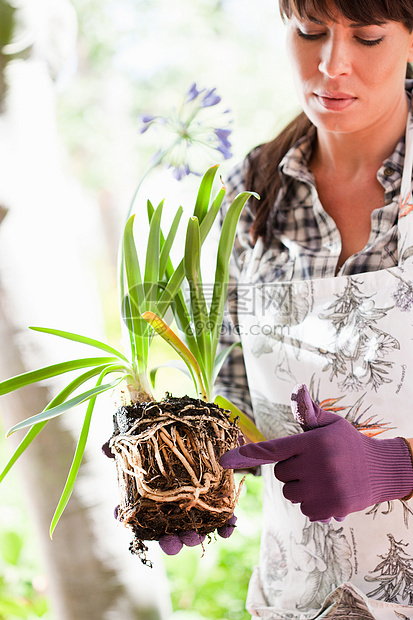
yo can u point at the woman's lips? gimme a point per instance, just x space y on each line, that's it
335 101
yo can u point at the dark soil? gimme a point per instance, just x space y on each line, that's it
167 456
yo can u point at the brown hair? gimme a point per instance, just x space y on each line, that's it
262 175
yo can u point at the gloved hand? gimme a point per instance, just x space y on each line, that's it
171 545
107 451
331 469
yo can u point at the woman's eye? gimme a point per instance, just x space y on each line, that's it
369 41
309 36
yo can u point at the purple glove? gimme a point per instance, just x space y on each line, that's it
332 469
304 411
107 451
171 545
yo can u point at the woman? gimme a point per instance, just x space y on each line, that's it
322 295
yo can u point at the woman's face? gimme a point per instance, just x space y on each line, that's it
349 76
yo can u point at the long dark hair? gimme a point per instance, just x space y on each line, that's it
262 174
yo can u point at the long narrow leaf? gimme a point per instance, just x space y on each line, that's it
167 244
59 409
126 317
176 343
248 428
192 262
178 305
137 329
183 320
225 246
150 210
178 275
23 445
82 339
152 259
182 315
78 456
206 224
74 469
132 268
204 193
179 308
57 400
27 378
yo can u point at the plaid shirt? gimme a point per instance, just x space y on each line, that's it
305 244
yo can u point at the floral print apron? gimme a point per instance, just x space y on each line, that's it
350 339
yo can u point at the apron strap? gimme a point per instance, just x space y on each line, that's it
405 225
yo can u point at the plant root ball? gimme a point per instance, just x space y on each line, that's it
167 458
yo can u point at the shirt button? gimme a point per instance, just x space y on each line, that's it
388 172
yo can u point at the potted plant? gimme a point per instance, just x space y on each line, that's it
166 451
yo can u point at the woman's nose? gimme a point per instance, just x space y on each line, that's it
335 58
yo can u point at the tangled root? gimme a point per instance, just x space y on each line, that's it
167 457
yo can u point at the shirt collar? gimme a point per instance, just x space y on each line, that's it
295 163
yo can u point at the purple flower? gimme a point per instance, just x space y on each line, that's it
224 145
210 99
226 152
180 171
147 120
222 134
188 129
193 93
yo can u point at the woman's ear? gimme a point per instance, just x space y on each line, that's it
410 57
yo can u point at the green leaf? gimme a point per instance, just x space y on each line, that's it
126 317
181 313
152 259
192 262
24 444
176 278
183 321
225 246
163 330
247 427
82 339
179 308
150 210
27 378
74 469
78 456
167 244
138 331
206 224
57 400
48 414
132 268
204 193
